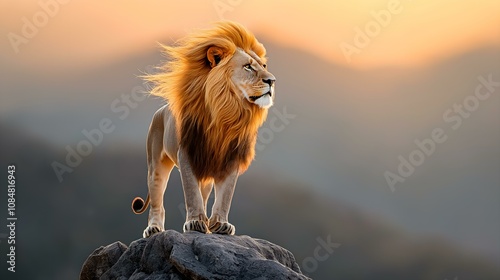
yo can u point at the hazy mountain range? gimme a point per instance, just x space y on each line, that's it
321 175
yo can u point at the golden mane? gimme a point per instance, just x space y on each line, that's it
216 126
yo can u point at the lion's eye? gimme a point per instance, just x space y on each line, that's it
248 67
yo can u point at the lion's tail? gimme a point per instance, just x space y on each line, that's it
139 205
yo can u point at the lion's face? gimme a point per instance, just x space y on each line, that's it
251 78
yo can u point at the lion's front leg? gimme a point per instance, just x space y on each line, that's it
224 191
196 219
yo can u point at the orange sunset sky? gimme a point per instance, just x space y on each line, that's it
82 34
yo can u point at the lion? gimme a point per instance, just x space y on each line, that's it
218 92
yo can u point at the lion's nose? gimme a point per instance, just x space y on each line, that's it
269 81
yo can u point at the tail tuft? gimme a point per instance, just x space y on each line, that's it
138 205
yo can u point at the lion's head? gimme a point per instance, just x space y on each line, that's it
226 60
244 71
218 89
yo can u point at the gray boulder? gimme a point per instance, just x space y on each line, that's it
172 255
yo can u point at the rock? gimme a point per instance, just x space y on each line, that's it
172 255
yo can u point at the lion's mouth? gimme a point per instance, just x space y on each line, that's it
254 98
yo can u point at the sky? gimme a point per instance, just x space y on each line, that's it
372 118
54 36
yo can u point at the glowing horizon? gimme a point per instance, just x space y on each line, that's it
377 33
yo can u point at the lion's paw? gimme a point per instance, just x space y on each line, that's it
150 230
222 228
196 225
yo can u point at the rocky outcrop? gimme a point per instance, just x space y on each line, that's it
172 255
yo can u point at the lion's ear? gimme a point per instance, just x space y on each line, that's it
215 55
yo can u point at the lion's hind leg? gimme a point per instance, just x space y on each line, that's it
157 184
159 168
206 190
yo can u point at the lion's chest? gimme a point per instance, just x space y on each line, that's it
214 155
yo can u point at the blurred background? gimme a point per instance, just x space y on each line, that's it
359 83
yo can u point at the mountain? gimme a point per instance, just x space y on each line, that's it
345 128
67 220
